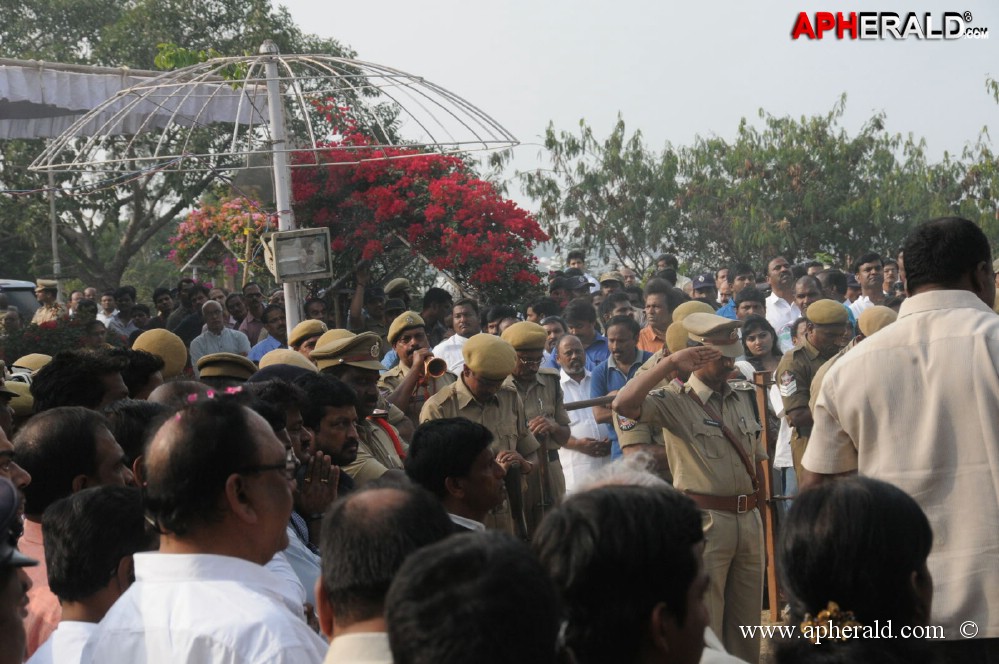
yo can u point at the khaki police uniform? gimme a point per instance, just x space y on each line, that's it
376 454
543 396
392 378
706 467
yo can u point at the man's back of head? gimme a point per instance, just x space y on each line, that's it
627 562
478 597
365 539
91 379
949 253
66 450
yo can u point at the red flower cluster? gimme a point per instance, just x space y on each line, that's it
457 221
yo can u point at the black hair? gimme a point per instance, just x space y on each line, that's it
211 440
323 391
73 378
467 302
133 423
869 257
739 269
625 321
311 300
54 447
268 310
750 294
281 393
185 280
943 252
231 296
88 305
576 254
658 286
548 320
614 553
635 290
87 534
499 312
750 325
669 259
448 598
89 329
668 275
198 288
581 311
159 292
674 296
141 308
363 546
833 279
125 290
251 283
856 542
140 368
445 448
545 307
436 296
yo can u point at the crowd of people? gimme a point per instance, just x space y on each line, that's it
577 478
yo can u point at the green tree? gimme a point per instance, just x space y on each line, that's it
613 197
104 231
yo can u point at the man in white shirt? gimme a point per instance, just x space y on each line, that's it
394 522
452 458
782 310
219 489
90 538
587 450
868 271
933 435
217 338
465 322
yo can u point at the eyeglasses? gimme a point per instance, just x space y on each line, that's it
289 466
530 363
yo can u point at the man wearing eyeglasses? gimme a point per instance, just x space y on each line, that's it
547 419
219 489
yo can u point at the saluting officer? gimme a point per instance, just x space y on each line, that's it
824 337
713 446
479 395
408 384
547 418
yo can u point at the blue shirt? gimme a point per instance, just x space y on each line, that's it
728 309
264 347
390 360
598 351
608 377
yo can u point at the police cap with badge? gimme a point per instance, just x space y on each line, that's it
361 351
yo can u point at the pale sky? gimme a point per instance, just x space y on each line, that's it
673 70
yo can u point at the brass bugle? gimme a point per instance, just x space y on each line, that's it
435 367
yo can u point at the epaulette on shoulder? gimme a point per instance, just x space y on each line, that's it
741 385
549 372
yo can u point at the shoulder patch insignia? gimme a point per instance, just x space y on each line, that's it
374 351
741 385
626 423
788 384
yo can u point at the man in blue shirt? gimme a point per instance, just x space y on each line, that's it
740 275
610 375
274 323
581 318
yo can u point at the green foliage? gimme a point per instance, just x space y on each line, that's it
800 187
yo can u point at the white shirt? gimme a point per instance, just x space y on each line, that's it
203 609
449 350
65 645
229 341
106 318
935 435
781 315
361 648
577 467
304 563
471 524
292 588
863 302
782 451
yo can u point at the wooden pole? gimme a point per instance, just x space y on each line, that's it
763 380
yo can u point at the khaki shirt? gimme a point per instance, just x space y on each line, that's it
816 386
392 379
375 454
638 433
543 396
503 415
701 458
794 378
44 314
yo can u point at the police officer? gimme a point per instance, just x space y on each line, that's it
408 384
713 446
824 337
354 360
480 395
547 418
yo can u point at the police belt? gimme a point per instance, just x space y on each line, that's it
738 504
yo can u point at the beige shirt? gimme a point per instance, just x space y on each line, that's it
700 457
543 396
375 455
934 434
391 379
503 415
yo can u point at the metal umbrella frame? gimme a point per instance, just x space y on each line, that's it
255 97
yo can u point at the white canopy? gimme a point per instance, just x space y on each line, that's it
43 100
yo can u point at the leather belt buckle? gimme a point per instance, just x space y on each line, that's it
742 504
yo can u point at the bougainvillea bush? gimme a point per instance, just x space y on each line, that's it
230 219
397 201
